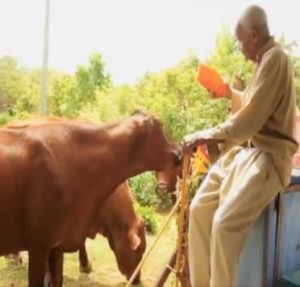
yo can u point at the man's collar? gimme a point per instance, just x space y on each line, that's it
266 47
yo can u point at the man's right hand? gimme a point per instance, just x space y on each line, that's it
223 91
191 141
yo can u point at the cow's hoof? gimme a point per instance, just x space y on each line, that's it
86 269
139 284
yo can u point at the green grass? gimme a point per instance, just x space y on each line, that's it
105 271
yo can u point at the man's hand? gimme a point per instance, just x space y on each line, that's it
191 141
224 91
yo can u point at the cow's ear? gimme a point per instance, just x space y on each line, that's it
139 112
135 240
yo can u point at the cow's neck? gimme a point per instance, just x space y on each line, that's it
122 143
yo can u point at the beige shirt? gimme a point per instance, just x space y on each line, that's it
268 111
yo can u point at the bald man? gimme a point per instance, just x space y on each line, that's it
246 178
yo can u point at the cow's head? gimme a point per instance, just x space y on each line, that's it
167 181
129 249
152 145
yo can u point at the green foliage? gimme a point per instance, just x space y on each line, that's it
177 98
144 189
70 94
228 59
18 91
11 80
62 97
5 117
149 216
29 102
114 103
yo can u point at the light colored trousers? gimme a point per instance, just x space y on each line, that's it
234 193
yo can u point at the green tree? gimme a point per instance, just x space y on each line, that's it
62 98
12 81
178 99
18 91
228 59
70 94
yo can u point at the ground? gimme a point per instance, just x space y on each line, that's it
105 272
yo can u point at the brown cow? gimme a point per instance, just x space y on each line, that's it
124 230
122 227
54 177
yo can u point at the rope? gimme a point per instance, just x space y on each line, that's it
167 220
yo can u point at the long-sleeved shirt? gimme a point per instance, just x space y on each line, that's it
268 111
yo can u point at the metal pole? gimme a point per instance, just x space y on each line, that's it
44 88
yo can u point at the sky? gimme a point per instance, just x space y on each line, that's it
133 36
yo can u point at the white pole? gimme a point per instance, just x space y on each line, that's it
44 88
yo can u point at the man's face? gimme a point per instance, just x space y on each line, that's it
247 39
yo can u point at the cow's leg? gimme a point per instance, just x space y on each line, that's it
85 265
56 259
37 267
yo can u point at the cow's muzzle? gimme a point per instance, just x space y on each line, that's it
178 157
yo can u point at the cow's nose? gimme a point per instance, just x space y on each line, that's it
137 280
178 157
162 188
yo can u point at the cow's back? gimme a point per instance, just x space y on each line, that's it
42 190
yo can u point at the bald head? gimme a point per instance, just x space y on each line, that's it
252 31
254 17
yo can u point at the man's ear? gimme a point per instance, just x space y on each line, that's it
254 35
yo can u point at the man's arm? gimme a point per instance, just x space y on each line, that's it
266 92
236 100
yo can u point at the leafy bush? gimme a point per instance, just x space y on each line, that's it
5 117
148 214
143 187
144 190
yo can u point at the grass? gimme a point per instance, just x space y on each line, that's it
105 271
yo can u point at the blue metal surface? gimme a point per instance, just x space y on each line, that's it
290 280
256 265
290 243
257 261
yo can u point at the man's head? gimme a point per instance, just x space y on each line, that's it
252 31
